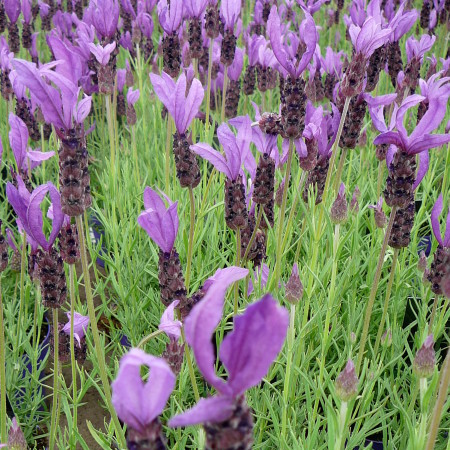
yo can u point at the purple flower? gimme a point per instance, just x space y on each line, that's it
376 110
235 69
145 23
417 49
347 383
435 213
59 106
229 11
402 22
18 139
138 403
247 352
28 209
80 324
367 38
105 17
132 96
254 43
102 54
12 9
159 222
26 11
332 63
183 108
168 324
235 148
170 17
286 51
194 8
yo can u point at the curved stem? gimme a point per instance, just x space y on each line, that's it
386 301
191 238
374 289
149 337
3 435
208 89
53 424
238 262
441 399
224 93
95 334
72 351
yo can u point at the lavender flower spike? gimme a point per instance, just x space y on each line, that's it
139 404
80 324
435 212
159 222
247 353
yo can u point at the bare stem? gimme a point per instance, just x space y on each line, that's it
374 289
22 290
190 366
53 424
191 238
337 179
224 93
238 262
386 301
97 343
3 435
72 351
167 162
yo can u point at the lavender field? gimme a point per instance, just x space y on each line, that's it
224 224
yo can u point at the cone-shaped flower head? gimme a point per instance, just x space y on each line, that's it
28 209
60 107
435 213
168 324
425 359
294 287
136 402
339 208
170 15
16 438
18 139
347 383
159 222
286 50
80 324
236 148
247 352
183 106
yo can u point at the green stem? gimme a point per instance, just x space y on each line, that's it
287 378
149 337
72 351
3 435
191 238
440 402
135 155
252 238
97 343
208 89
53 423
337 179
22 282
374 289
342 426
380 178
112 147
190 366
224 93
279 256
386 301
167 162
238 262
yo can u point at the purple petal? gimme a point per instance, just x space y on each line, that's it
211 409
389 137
34 216
37 156
229 275
168 324
18 139
424 162
428 141
132 96
193 103
58 215
18 204
83 109
213 156
152 224
435 213
257 338
138 403
80 324
170 226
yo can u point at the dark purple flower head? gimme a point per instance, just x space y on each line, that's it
183 108
236 149
230 11
12 8
28 209
435 212
128 8
105 17
194 9
170 17
60 107
18 139
367 38
287 49
247 352
402 22
80 324
138 403
417 49
159 222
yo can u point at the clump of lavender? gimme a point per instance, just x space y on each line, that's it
161 224
226 418
183 105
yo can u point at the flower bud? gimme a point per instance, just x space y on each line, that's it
16 438
422 264
347 383
425 359
338 212
294 287
386 339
